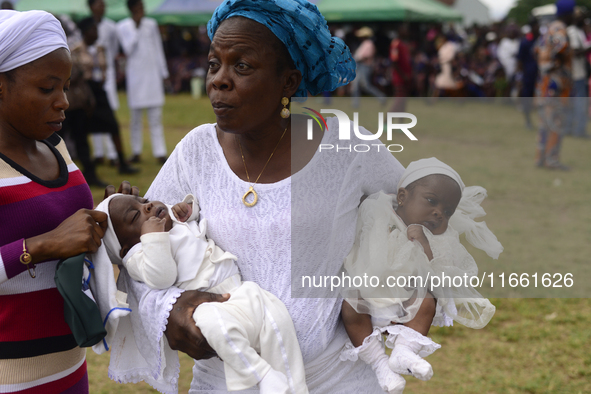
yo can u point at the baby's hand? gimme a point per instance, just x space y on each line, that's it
182 211
153 225
415 233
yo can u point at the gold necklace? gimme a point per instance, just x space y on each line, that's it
251 189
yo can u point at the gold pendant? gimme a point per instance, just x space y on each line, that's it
254 194
25 258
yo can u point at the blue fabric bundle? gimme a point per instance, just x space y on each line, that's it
324 61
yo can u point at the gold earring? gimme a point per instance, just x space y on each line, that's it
285 111
399 203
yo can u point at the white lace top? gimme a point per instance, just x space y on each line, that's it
307 220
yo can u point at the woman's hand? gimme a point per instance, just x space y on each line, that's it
80 233
124 188
181 331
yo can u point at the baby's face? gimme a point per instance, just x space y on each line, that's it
128 213
431 202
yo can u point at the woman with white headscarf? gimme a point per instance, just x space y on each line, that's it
45 205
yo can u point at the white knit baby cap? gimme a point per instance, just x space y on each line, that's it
28 36
424 167
110 239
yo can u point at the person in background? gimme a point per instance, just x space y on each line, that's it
92 59
46 209
401 69
528 66
81 104
492 44
145 73
365 57
7 5
507 53
446 82
554 85
421 70
579 103
107 38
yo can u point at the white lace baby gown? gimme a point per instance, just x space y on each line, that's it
382 250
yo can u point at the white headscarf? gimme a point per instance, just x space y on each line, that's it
28 36
477 233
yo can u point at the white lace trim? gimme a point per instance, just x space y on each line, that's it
441 319
142 353
351 353
427 346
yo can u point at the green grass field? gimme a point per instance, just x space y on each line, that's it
542 218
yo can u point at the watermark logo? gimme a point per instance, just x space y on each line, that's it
345 130
317 117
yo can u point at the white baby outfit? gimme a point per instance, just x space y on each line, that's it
382 249
164 259
252 321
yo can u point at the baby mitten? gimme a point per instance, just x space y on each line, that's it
372 352
408 347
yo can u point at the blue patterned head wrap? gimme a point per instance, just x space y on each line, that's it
565 7
324 61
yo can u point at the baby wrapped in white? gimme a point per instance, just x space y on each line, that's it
252 332
404 270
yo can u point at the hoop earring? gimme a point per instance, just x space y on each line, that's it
285 111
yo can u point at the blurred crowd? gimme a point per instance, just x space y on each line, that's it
397 59
422 59
419 60
548 57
